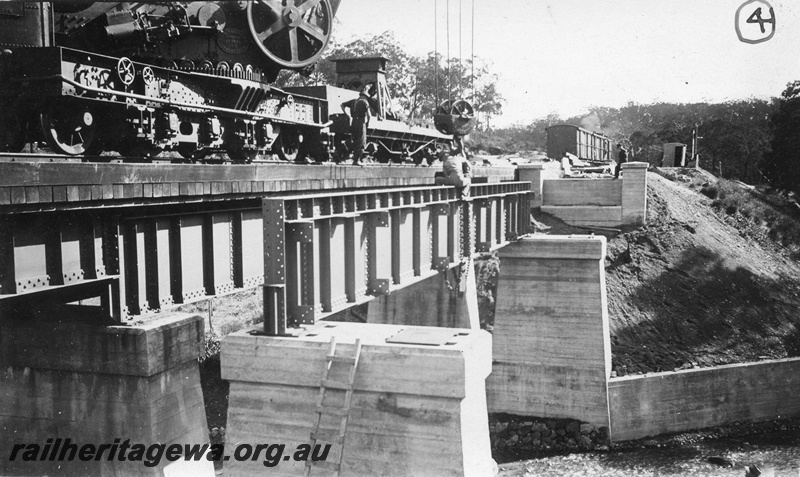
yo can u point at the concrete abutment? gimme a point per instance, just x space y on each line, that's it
93 384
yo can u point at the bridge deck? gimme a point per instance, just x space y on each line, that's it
28 186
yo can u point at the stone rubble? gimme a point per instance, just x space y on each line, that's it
523 435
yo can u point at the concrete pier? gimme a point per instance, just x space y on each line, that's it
552 353
417 409
93 384
435 301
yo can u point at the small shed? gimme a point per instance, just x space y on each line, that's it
674 155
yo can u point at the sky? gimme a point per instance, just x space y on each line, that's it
563 56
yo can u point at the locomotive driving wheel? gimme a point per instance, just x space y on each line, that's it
67 129
287 146
292 33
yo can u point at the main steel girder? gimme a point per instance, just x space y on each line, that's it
316 254
324 253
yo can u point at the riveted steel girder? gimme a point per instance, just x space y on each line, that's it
324 253
315 254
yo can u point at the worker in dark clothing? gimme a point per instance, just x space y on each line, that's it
360 115
457 169
622 157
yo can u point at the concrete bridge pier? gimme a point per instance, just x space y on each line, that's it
65 384
418 404
448 299
552 350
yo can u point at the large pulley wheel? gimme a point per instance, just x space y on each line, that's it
454 117
67 129
291 33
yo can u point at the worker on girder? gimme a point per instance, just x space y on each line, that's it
457 169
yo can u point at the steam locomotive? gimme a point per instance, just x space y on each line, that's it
191 77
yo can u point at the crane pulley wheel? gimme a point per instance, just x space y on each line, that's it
293 35
454 117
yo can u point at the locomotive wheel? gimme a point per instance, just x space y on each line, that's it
383 156
242 156
287 146
190 151
68 130
141 151
293 35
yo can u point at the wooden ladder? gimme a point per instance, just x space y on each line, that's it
333 436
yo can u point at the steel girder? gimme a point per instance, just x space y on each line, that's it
324 253
316 254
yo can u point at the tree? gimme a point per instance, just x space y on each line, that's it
417 85
781 166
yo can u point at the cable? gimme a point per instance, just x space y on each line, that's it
449 72
460 58
436 52
472 53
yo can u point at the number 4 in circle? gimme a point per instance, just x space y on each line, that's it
755 17
751 13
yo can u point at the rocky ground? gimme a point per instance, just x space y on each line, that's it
772 447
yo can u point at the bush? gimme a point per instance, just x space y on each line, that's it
709 190
782 228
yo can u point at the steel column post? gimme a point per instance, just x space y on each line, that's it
274 233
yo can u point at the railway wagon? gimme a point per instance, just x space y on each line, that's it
587 145
195 78
390 137
141 78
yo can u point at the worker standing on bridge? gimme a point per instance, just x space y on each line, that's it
360 116
622 156
457 169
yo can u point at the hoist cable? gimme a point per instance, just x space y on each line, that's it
436 52
449 88
472 53
460 58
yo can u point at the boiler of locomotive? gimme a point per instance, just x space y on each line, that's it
254 39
